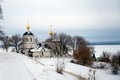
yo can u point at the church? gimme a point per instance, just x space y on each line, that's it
30 47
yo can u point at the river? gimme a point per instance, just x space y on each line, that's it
107 48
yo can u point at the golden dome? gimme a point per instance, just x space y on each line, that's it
28 27
51 32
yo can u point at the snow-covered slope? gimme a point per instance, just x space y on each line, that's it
83 71
14 66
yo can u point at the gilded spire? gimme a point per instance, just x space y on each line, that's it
51 32
28 26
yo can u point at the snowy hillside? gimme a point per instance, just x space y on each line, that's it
14 66
79 69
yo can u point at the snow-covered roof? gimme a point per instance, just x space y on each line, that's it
39 49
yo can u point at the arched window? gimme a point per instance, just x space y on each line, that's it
27 40
30 39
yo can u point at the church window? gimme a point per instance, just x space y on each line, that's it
30 39
26 39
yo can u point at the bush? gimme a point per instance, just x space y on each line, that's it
114 64
114 61
83 55
118 55
105 57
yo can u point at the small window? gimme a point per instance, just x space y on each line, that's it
30 39
26 39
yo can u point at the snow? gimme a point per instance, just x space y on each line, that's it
39 49
12 67
15 66
99 49
101 74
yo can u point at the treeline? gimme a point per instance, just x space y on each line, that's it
82 52
106 43
14 41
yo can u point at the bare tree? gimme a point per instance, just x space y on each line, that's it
105 57
1 16
72 42
53 38
15 40
62 40
5 40
1 33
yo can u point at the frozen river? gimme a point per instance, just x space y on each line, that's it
107 48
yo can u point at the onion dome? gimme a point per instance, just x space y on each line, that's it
51 32
28 27
28 31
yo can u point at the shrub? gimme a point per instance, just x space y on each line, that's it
114 64
105 57
118 55
83 55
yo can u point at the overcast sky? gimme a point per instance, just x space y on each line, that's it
96 20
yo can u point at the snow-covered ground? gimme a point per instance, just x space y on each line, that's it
106 48
14 66
79 69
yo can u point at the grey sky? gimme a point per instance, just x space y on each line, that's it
92 19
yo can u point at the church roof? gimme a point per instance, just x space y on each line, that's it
28 33
39 48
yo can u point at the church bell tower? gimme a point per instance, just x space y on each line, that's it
28 41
